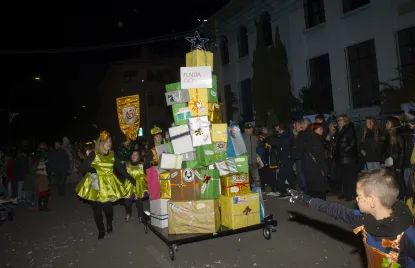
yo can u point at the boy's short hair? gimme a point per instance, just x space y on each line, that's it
319 117
382 184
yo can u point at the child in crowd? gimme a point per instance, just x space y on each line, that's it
42 184
385 222
139 191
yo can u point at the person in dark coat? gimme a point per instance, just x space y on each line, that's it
298 150
393 149
59 166
346 157
371 144
314 163
282 144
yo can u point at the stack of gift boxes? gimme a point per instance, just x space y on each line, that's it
202 181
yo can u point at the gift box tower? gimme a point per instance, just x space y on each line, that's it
203 175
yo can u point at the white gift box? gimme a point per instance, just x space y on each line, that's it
171 161
158 213
177 96
189 156
200 131
181 139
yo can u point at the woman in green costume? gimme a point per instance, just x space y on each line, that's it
138 191
100 185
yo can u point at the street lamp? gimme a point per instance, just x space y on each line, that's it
83 106
36 78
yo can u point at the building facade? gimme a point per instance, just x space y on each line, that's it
146 76
347 47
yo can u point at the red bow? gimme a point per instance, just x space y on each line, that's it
206 178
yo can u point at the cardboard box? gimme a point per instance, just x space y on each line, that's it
240 211
181 139
185 184
235 184
194 217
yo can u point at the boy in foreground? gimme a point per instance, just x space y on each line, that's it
386 223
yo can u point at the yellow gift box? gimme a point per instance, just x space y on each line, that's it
240 211
193 217
218 133
235 184
165 186
199 58
198 103
215 112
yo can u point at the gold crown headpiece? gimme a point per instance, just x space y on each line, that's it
104 135
155 130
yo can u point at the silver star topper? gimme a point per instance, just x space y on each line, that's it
197 41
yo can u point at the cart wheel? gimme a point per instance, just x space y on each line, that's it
145 229
171 253
266 232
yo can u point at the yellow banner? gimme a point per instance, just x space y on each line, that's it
128 109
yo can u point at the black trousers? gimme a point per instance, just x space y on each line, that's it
97 208
128 204
268 177
14 187
60 180
347 173
286 173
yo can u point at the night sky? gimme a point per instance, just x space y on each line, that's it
68 80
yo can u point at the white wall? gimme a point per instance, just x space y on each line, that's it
378 20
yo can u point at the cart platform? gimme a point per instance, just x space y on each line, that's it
173 241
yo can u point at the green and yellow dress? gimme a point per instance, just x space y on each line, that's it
137 172
110 187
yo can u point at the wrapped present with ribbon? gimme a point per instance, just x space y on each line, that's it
240 211
165 186
181 113
242 163
213 91
185 184
198 103
158 213
200 131
227 166
171 161
210 187
192 164
193 217
177 96
181 139
153 182
215 112
236 143
219 133
165 148
173 87
198 58
189 156
207 155
235 184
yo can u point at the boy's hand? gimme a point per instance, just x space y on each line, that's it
299 198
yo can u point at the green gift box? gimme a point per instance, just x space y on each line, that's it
242 163
174 86
213 92
191 164
208 154
210 186
181 113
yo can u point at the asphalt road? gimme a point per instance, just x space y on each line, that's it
66 236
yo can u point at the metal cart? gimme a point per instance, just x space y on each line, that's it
268 225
